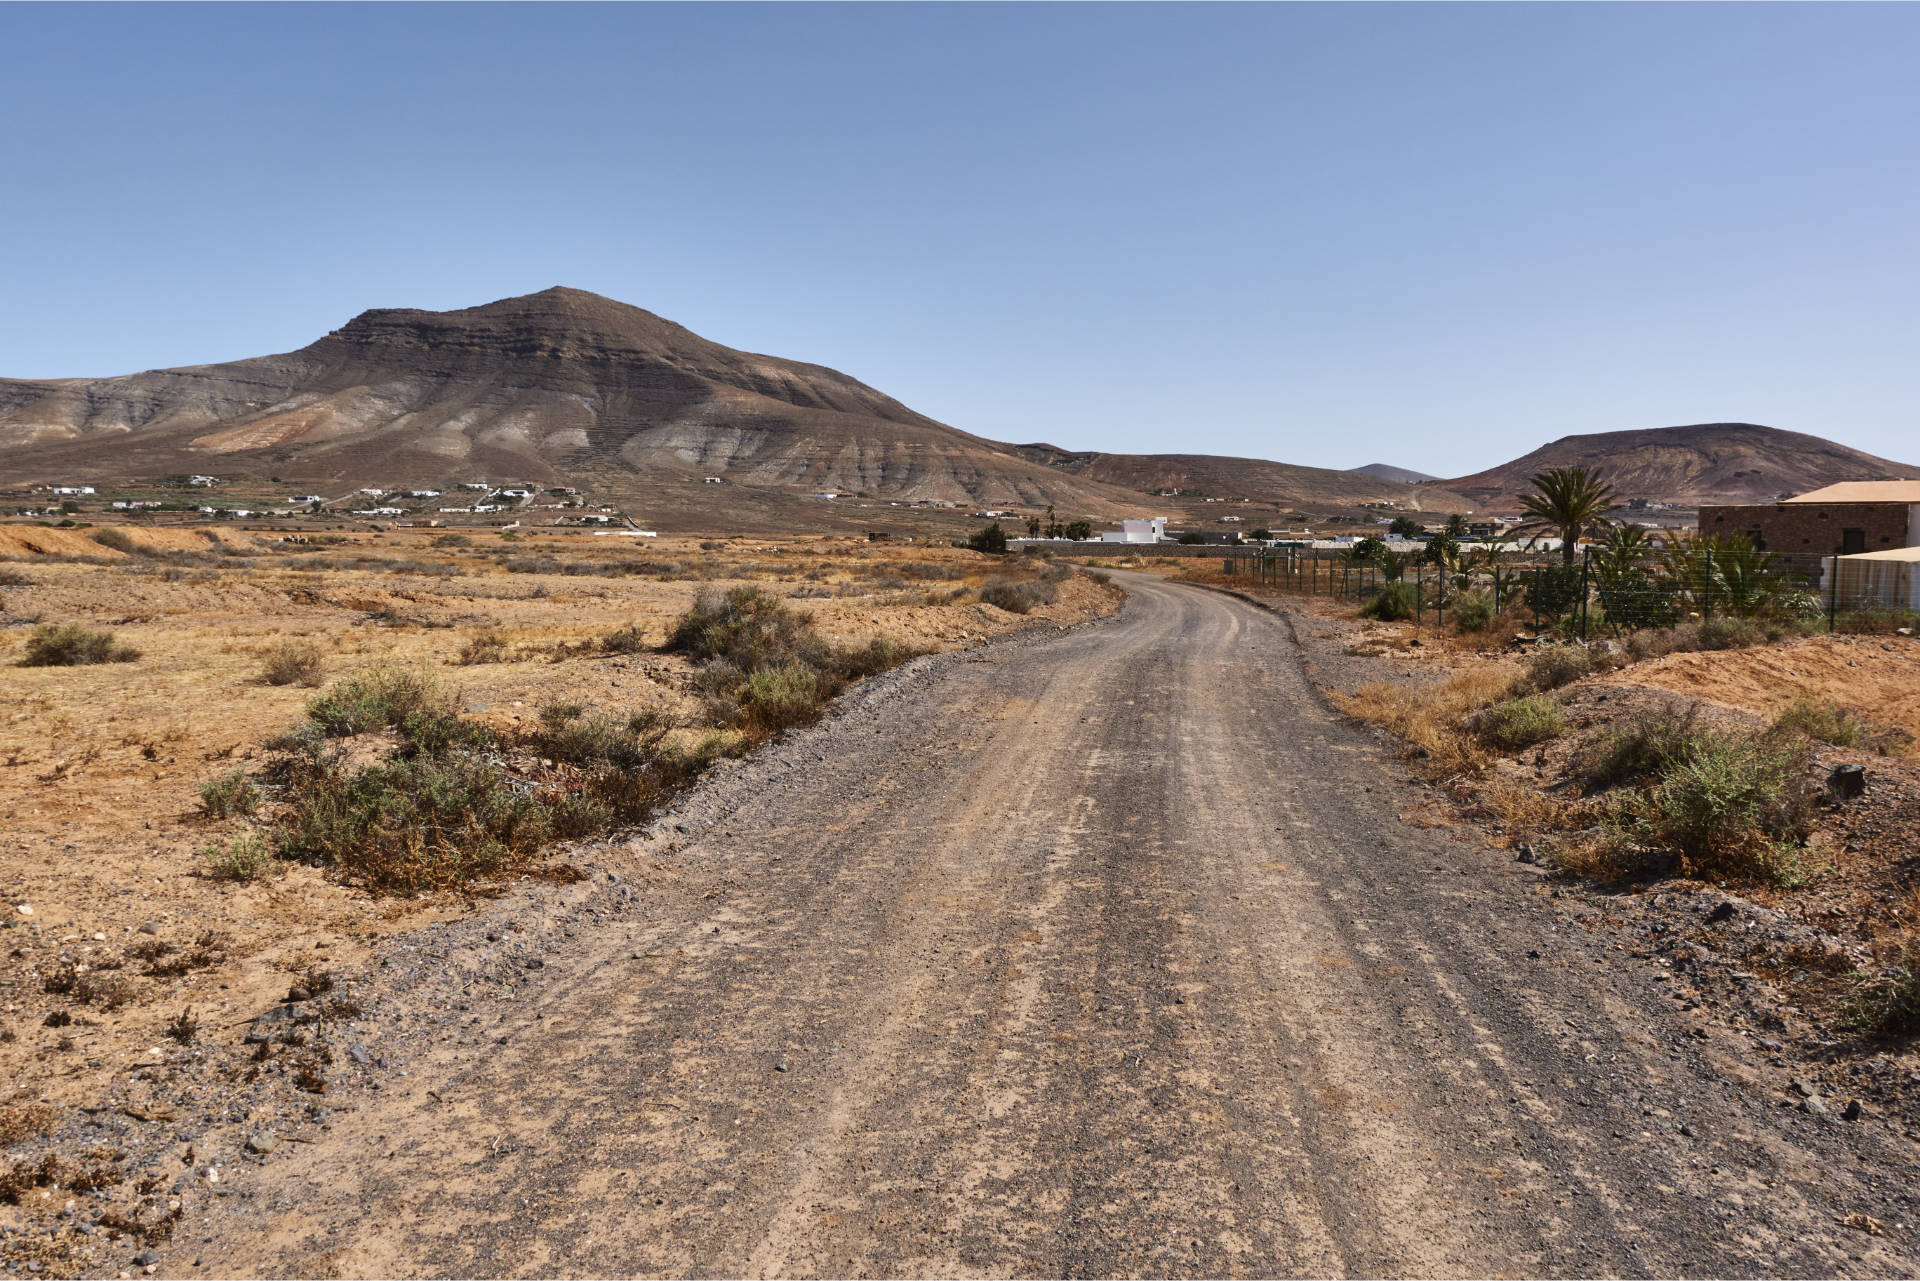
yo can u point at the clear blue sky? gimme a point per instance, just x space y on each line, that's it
1435 236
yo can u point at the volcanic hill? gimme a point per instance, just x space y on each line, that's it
1704 463
556 385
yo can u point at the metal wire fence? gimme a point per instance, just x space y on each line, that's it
1607 592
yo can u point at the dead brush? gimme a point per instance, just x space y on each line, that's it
1431 718
18 1124
183 1027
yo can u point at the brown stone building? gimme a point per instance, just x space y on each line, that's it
1848 518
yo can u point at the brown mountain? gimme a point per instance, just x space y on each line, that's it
1209 475
555 385
1705 463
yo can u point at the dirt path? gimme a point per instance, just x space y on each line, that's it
1104 954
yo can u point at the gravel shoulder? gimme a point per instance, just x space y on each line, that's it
1104 952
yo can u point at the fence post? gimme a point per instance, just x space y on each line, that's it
1706 590
1833 592
1586 561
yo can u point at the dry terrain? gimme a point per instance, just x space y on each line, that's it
1099 952
114 922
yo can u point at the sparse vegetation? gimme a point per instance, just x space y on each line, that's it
1016 598
384 698
1732 805
1473 612
244 857
292 662
228 795
1519 722
1829 723
1886 1005
1643 747
485 647
1551 666
72 645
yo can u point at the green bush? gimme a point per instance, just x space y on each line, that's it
1393 603
244 858
72 645
229 794
750 628
1473 612
784 697
619 742
1519 722
991 540
402 826
292 662
624 640
1733 805
383 698
1643 748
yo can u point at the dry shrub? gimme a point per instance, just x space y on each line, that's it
1521 808
72 645
1517 723
292 662
1430 717
18 1124
485 647
1551 666
229 794
1016 598
244 858
1606 856
1886 1005
1736 806
1840 726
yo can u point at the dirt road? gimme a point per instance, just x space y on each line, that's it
1104 953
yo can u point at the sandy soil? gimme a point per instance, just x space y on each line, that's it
1879 677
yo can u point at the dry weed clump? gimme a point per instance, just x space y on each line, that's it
1519 722
485 647
229 794
1838 726
1886 1005
18 1124
246 857
1016 598
1431 718
72 645
292 662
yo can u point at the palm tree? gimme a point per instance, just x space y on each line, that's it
1568 501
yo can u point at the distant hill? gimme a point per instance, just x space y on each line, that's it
558 385
1210 475
1704 463
1400 475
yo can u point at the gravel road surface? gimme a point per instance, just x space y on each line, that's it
1104 952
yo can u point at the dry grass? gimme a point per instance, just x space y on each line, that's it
107 825
1431 718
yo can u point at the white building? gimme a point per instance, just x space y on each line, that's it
1151 530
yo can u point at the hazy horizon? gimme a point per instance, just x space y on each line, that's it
1434 237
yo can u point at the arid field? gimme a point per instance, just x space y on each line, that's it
127 927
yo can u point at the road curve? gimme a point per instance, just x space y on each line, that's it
1104 954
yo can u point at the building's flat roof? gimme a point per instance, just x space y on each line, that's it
1864 491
